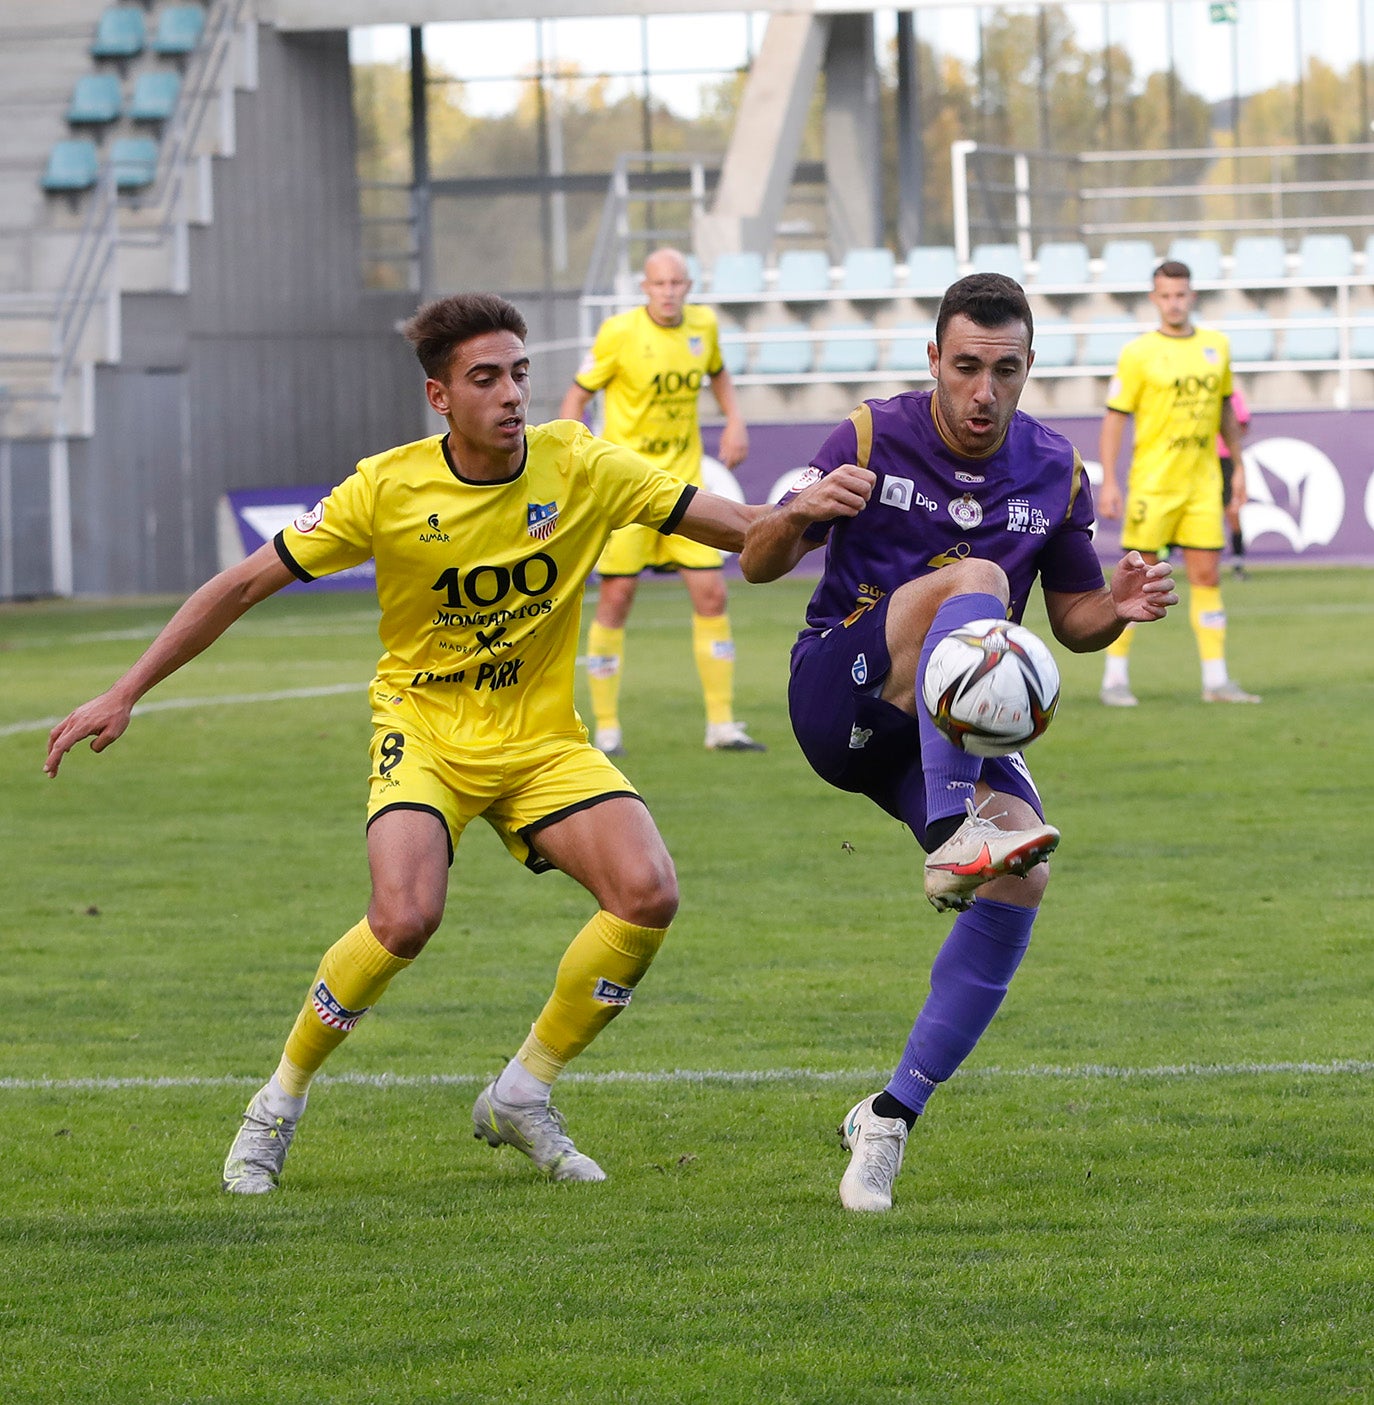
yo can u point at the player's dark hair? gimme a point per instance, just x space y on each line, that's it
438 327
989 299
1173 268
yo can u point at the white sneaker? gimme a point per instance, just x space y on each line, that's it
877 1144
979 851
1118 695
608 740
730 736
1230 692
537 1130
258 1153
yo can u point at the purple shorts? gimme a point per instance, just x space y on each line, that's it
858 742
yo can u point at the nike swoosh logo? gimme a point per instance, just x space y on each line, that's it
976 866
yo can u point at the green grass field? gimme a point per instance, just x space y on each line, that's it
1154 1180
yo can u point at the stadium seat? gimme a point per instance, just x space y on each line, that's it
1316 339
1369 259
1203 257
73 165
1325 256
849 348
999 258
1101 346
96 100
1362 338
693 270
1055 342
734 352
1065 263
906 349
931 268
737 276
178 30
1258 258
868 271
1249 343
155 96
803 271
134 162
1131 262
120 33
785 350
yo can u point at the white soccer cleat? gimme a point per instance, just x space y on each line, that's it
979 851
609 741
878 1144
258 1153
538 1131
1229 692
1118 695
730 736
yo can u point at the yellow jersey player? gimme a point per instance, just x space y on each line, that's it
1176 383
483 539
652 362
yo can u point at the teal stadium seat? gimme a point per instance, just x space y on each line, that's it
1129 262
1063 264
178 31
999 258
1055 342
1101 346
73 164
868 271
97 100
1249 343
906 349
1316 339
155 96
120 33
1323 256
785 350
931 268
733 351
134 162
1362 339
847 349
1203 257
737 276
802 271
1259 258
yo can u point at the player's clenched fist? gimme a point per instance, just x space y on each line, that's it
843 492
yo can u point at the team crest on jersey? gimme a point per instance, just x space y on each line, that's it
966 512
609 993
331 1012
1210 352
308 521
694 345
541 519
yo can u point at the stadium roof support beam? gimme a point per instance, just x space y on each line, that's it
757 172
853 136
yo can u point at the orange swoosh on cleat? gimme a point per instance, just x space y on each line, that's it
983 860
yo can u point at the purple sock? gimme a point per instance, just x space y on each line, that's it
967 985
949 773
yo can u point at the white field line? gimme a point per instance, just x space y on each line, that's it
46 724
1358 1068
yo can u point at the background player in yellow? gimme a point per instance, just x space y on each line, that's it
483 539
1176 382
651 362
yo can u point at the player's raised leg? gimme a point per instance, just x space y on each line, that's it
614 850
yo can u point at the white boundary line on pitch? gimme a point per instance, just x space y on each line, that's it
46 724
1361 1068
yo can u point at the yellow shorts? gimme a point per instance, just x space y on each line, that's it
517 791
1187 515
634 549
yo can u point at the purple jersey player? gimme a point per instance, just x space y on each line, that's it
936 509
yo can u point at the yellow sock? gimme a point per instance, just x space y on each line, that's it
354 973
714 651
1209 621
1120 647
596 977
605 652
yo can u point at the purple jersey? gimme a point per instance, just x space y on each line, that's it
1027 506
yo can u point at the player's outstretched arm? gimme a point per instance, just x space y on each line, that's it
575 402
1091 619
777 541
194 627
717 521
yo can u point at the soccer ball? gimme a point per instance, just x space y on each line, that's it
991 687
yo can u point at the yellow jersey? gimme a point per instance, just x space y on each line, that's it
480 584
652 377
1174 387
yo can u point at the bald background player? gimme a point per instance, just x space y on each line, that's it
651 363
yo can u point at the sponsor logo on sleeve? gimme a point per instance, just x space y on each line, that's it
308 521
858 670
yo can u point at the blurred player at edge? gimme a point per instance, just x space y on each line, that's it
483 538
1176 382
651 362
1231 508
936 509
